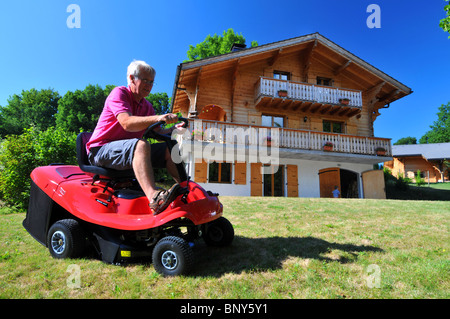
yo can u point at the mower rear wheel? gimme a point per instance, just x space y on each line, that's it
172 256
219 233
65 239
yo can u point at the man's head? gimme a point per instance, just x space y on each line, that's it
140 77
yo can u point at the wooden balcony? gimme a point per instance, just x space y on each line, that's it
307 98
291 142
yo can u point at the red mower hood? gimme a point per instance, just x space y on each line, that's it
76 192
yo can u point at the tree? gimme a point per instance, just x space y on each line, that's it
445 23
160 101
22 153
30 108
80 110
440 130
216 45
406 141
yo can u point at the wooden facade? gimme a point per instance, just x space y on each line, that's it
313 90
430 159
407 166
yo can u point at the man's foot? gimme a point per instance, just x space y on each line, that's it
163 198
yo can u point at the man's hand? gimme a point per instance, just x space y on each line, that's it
169 118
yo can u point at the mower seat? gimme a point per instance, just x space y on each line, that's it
85 166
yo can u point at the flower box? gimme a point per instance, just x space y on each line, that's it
197 135
344 101
282 93
328 147
268 141
380 151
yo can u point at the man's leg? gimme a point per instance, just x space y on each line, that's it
143 169
171 167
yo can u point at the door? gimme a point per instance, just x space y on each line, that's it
274 182
349 184
255 179
329 178
373 184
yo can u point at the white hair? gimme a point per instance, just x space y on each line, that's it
136 67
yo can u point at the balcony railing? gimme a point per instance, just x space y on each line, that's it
308 92
251 135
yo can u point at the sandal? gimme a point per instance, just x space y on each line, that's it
163 198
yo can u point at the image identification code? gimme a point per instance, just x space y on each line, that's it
239 308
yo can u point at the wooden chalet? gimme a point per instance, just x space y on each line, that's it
429 159
289 99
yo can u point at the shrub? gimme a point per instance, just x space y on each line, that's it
16 161
402 183
420 181
55 145
20 154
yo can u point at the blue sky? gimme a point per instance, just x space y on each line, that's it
38 50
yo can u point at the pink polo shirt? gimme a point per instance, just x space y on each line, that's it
108 128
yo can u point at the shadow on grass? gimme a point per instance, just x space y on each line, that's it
417 193
262 254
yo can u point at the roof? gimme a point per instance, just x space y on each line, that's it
290 43
314 45
429 151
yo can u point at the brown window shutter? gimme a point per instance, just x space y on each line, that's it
201 170
292 181
240 173
256 179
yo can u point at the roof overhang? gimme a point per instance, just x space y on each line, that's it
363 74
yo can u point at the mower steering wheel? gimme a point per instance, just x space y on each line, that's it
150 132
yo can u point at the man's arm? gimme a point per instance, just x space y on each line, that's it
131 123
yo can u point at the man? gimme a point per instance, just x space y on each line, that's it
117 139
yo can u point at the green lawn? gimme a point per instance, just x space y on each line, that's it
435 191
444 186
284 248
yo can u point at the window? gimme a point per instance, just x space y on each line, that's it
281 75
220 172
324 81
333 127
421 175
273 121
274 183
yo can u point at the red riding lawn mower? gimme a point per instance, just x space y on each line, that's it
73 208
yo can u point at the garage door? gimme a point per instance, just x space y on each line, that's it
373 184
328 179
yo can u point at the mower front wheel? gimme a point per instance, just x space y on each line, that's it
219 233
172 256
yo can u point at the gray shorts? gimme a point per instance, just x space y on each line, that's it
119 154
